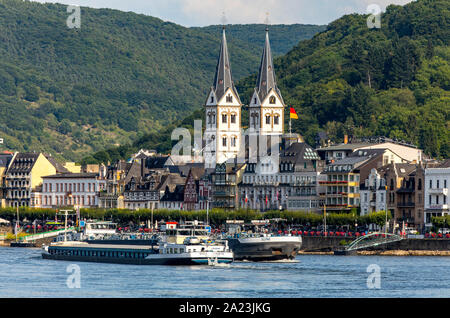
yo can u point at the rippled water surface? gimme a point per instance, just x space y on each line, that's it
25 274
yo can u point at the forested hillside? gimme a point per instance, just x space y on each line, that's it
120 76
393 81
282 37
353 80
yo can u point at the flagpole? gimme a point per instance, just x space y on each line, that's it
290 130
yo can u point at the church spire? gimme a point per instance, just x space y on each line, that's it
223 79
266 78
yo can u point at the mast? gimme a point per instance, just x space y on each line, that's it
17 222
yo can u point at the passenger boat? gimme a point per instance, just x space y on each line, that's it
192 252
264 247
253 245
104 232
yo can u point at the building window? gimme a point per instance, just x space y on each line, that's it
272 100
224 119
233 119
268 119
233 141
419 186
431 184
229 98
276 120
224 141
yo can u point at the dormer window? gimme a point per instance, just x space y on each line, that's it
229 98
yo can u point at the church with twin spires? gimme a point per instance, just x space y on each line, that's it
223 107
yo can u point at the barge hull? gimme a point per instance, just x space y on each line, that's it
133 261
264 251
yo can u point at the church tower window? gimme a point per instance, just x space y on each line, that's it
233 141
272 100
224 118
233 118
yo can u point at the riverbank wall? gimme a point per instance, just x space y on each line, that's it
328 244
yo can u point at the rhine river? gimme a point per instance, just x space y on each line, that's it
23 273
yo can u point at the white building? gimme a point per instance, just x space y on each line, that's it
373 193
267 105
223 114
437 182
294 187
71 189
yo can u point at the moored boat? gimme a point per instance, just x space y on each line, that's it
192 252
264 247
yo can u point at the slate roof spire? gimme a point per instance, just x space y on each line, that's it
223 79
266 77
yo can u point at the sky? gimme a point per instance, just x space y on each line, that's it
207 12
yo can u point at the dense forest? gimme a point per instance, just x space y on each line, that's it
120 76
393 81
349 79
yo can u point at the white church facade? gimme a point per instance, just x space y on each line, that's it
224 139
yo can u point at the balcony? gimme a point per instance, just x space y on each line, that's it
266 183
304 184
224 194
437 207
337 194
334 182
443 191
405 204
405 190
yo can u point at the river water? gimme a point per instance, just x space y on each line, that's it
23 273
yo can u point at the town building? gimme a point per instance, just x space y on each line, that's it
146 192
399 152
173 199
225 180
142 193
405 194
5 160
116 177
25 175
71 189
295 185
191 189
373 193
437 183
